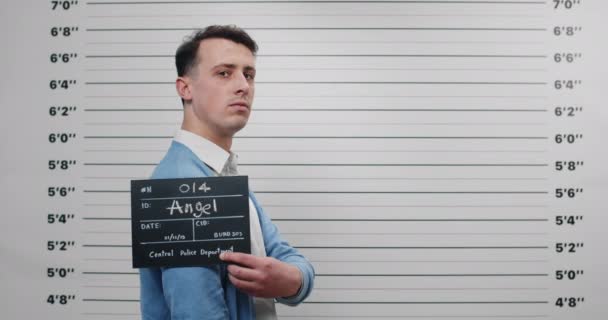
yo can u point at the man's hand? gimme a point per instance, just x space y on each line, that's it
263 277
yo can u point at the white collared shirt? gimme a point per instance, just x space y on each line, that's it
215 157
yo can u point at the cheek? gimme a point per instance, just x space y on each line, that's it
211 98
217 102
252 91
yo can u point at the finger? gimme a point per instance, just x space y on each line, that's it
245 286
240 258
244 273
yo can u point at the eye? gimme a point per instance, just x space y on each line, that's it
250 76
223 74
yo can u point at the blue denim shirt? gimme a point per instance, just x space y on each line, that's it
189 293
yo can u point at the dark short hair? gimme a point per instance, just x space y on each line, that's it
185 56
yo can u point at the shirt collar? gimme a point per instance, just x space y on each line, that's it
210 153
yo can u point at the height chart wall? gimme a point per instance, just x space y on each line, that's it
433 159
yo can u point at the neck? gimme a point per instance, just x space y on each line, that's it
224 141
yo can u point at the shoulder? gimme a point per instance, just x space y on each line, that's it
180 162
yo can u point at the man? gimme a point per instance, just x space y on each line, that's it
216 72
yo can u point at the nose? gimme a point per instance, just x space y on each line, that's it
242 85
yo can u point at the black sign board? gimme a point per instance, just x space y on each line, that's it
190 221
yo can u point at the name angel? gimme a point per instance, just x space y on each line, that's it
196 209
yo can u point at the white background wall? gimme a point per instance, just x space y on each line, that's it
408 148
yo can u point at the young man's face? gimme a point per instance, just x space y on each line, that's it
222 86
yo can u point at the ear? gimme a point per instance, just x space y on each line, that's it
182 85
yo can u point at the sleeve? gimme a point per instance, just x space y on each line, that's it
279 249
152 303
194 293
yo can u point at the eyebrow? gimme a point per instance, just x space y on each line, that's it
232 66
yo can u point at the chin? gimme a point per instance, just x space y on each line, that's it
238 126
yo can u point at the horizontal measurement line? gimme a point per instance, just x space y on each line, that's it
430 289
315 15
367 220
339 178
377 275
329 28
110 300
345 137
106 245
336 68
369 289
334 82
351 123
109 232
422 247
130 110
363 150
342 151
128 137
438 275
120 164
355 69
386 261
331 110
110 314
364 247
351 206
425 302
364 302
336 96
412 220
314 1
403 192
337 15
396 206
374 233
319 124
345 164
347 192
375 316
339 56
110 286
118 273
386 233
428 261
288 316
344 178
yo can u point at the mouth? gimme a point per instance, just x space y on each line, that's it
240 105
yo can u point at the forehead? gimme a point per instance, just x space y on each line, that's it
216 51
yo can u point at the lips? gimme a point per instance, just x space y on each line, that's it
240 105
